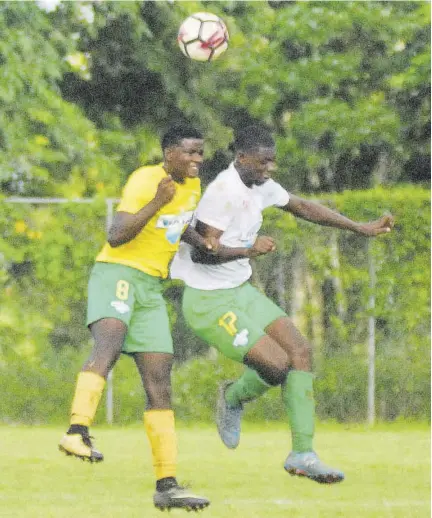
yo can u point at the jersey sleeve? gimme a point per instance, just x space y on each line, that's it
139 190
216 207
274 195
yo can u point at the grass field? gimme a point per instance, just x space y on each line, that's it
387 474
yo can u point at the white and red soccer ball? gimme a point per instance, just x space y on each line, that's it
203 37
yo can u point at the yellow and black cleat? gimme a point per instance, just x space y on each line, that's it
77 442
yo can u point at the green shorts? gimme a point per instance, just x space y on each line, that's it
231 320
135 298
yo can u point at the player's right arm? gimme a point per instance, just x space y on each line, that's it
126 225
224 254
322 215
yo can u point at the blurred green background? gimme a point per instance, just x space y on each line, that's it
86 90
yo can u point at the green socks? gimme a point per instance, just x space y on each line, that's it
297 395
249 386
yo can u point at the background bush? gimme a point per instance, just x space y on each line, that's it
44 341
86 90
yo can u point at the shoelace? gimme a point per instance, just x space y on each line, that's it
313 461
87 439
182 487
310 460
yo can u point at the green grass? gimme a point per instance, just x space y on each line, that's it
387 474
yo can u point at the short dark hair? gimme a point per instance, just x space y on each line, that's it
253 137
174 135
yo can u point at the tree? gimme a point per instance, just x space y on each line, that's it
340 83
48 146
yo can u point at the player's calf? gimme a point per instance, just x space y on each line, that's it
77 442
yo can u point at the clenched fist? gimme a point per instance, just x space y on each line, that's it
211 244
263 245
165 191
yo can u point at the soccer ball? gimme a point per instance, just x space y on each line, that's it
203 37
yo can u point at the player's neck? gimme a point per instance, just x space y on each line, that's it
244 175
174 175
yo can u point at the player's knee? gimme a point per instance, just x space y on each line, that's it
302 357
278 375
305 352
101 360
275 374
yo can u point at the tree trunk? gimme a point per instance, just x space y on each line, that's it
281 281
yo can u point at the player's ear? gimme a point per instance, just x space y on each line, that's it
240 156
168 153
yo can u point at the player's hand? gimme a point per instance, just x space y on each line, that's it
375 228
211 244
165 191
263 245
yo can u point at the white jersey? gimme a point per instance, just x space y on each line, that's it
230 206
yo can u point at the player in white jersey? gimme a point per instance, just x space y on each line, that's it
225 310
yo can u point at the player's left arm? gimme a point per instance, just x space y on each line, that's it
209 243
321 215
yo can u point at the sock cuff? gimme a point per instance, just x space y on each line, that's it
301 374
159 416
299 379
91 381
263 381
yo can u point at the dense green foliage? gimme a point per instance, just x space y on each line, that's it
85 91
44 340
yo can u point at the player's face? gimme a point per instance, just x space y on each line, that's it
257 165
184 160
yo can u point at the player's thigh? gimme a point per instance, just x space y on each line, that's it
289 337
149 328
279 327
111 293
219 318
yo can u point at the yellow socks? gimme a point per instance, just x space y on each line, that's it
160 428
159 424
88 392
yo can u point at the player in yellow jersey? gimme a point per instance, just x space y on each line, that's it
126 311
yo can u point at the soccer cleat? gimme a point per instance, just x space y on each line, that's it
307 464
228 419
179 497
77 442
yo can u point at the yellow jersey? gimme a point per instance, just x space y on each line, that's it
153 248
